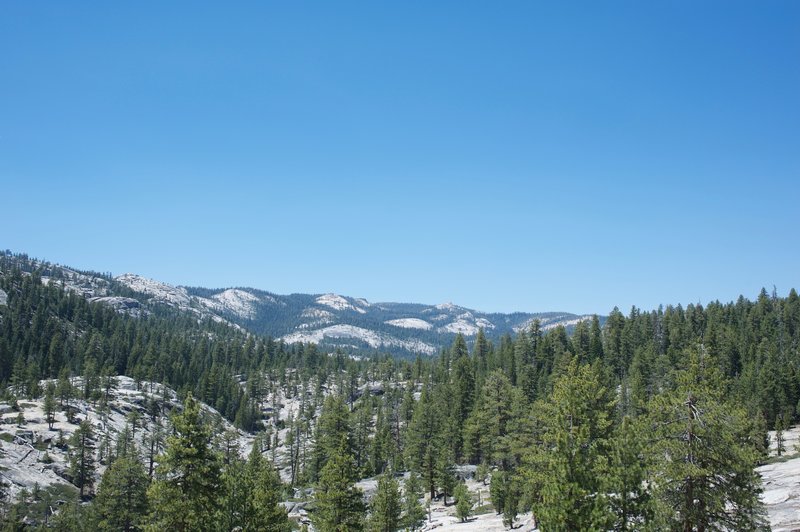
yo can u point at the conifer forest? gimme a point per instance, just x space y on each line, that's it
655 420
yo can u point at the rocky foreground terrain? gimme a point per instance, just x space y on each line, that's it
34 456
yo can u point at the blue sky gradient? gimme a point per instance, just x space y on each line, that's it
503 156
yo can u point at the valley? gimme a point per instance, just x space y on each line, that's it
107 380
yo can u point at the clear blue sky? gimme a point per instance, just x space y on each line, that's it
501 155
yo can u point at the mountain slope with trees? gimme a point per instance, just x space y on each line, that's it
331 321
654 419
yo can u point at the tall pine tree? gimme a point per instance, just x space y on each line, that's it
704 452
185 495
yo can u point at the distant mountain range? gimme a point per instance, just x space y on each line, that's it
329 320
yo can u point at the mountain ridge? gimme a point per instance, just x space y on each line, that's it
330 320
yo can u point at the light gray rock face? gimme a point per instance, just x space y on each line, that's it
33 453
782 494
3 298
465 472
781 482
119 304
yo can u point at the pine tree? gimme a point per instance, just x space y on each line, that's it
125 444
91 379
185 494
250 496
481 353
333 428
72 516
382 448
497 490
704 454
624 484
424 440
510 506
780 439
153 443
577 427
339 504
613 349
505 497
121 502
464 398
64 388
414 513
458 349
362 420
595 340
445 475
268 514
463 502
525 367
235 507
386 505
82 465
50 405
488 424
407 407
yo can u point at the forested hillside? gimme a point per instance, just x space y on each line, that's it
46 332
331 321
654 420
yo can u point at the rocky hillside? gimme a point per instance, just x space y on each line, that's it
35 456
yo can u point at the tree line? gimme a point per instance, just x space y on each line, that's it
654 421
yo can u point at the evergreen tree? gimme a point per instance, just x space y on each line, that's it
235 508
497 490
50 405
577 427
595 340
704 454
445 475
82 466
383 446
625 483
780 439
362 421
91 379
510 505
525 366
153 444
459 349
185 494
481 353
250 496
265 494
505 497
464 398
64 388
414 513
424 440
72 516
386 505
339 504
121 502
332 430
488 424
463 501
